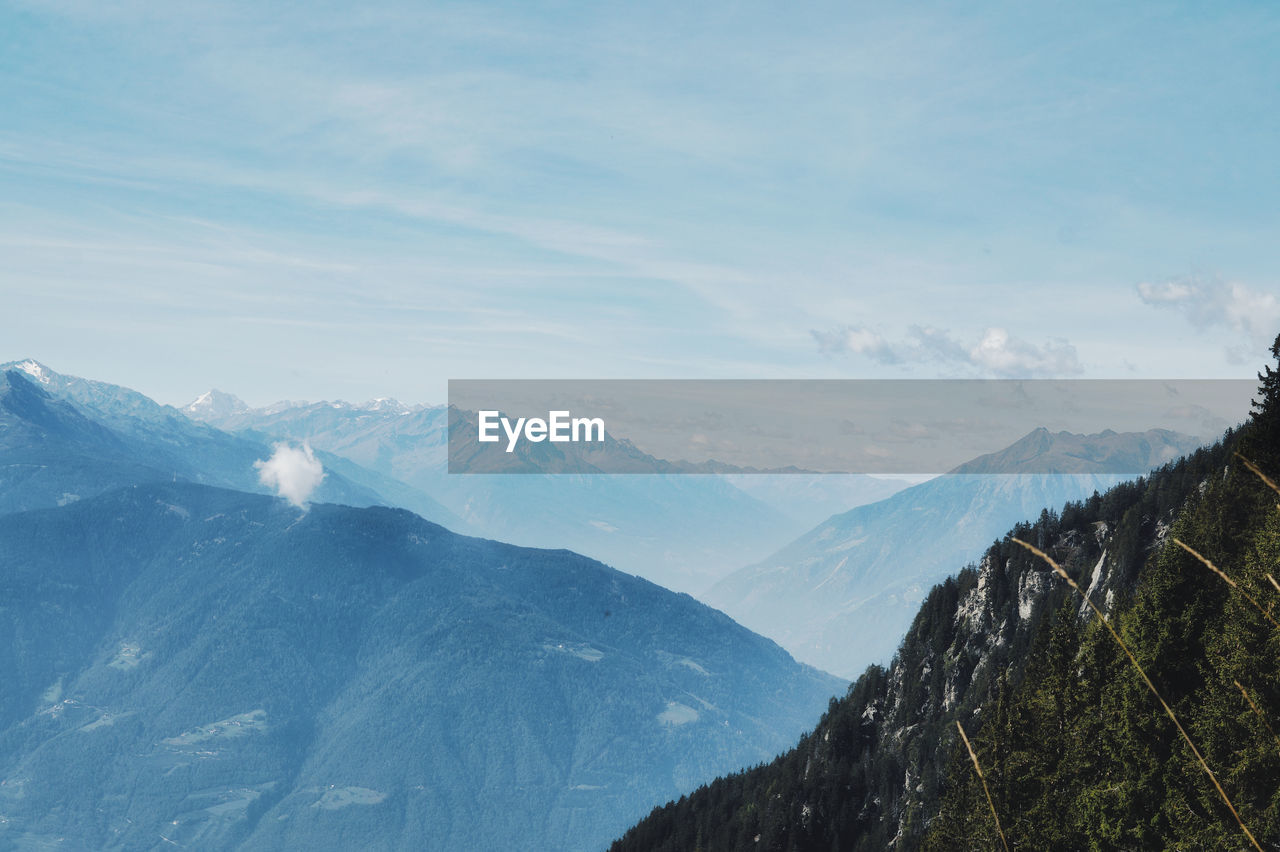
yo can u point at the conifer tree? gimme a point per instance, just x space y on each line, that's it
1266 406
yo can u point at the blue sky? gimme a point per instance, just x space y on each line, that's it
354 200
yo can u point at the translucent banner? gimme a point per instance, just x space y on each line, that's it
835 426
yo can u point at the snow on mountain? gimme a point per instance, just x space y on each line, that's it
35 369
135 439
386 404
214 404
114 404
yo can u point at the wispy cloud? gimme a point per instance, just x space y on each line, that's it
859 340
1251 317
996 353
653 195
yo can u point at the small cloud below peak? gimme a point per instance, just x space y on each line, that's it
293 472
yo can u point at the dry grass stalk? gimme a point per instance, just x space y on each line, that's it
1232 583
1257 711
1270 484
978 769
1151 686
1258 471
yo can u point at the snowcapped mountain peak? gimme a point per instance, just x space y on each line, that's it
385 404
214 404
283 405
34 369
378 405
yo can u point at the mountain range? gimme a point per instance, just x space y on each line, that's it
199 665
63 438
195 662
684 531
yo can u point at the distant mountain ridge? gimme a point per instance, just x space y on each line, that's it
1042 451
51 453
841 596
684 531
228 411
112 402
613 455
80 437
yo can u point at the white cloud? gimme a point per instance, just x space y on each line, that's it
1004 355
1168 292
997 352
292 471
857 339
1252 317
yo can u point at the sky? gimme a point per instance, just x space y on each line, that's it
320 200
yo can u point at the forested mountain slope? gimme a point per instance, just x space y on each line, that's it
1077 752
223 670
